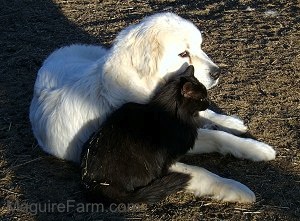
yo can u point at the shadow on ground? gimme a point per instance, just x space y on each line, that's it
33 29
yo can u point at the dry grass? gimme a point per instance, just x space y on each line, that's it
258 50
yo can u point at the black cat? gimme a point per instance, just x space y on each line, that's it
128 159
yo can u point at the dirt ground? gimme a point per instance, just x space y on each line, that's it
256 44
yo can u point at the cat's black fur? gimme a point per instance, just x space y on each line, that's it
128 159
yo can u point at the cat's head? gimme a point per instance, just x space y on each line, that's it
193 93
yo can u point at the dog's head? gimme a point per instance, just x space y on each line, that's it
163 44
180 42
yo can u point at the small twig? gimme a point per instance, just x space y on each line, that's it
9 191
241 209
9 127
288 118
132 218
30 161
279 207
34 146
231 11
256 212
238 39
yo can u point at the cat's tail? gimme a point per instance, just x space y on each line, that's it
160 188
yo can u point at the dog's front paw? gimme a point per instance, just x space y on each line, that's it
232 191
234 125
230 124
206 184
259 151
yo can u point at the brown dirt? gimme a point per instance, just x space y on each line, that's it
258 51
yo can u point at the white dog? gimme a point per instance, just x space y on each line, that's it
78 86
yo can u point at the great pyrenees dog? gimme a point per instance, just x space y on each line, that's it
80 85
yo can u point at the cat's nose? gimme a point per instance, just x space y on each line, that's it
215 72
204 104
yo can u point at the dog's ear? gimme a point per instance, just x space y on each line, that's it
145 52
187 90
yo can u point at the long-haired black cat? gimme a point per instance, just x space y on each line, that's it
128 159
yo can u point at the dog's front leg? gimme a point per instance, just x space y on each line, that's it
209 141
205 183
230 124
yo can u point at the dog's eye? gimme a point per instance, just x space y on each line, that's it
184 54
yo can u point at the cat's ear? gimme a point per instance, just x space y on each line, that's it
190 71
188 90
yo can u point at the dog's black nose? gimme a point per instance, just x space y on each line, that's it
215 73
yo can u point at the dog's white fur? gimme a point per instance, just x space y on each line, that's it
78 86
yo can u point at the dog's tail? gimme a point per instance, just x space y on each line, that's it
160 188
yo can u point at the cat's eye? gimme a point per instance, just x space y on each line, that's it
184 54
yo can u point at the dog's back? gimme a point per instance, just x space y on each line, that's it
66 89
67 65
